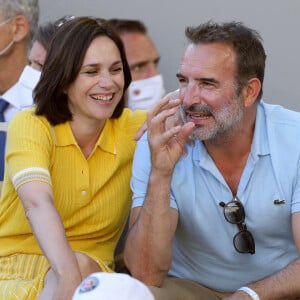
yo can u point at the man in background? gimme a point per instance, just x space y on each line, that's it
18 21
147 83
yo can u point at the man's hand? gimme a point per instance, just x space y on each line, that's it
167 143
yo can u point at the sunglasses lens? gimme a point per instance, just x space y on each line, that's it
234 212
244 242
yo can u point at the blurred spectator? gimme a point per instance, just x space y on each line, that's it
41 41
147 83
18 19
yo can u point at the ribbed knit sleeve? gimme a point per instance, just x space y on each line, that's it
29 148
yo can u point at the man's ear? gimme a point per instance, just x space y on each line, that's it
21 28
251 91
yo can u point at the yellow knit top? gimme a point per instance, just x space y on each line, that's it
92 195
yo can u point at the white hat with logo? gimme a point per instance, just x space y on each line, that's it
112 286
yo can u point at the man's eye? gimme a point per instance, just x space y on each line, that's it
207 84
138 68
181 80
135 68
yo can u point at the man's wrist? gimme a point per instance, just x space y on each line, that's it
250 292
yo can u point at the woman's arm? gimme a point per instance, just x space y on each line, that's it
48 230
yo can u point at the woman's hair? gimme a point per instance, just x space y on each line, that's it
63 63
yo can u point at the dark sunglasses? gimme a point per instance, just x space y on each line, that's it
234 213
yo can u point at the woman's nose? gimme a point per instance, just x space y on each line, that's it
105 80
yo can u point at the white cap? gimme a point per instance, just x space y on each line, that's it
112 286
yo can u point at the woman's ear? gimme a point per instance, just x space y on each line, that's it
251 91
21 28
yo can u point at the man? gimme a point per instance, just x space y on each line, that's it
221 221
18 19
147 86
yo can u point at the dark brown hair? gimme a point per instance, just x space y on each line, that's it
63 62
127 25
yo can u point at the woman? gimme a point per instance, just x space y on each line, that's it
66 195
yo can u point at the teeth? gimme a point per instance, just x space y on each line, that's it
199 116
103 98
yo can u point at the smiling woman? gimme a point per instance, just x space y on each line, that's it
66 194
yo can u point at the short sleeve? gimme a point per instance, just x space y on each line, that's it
140 174
29 146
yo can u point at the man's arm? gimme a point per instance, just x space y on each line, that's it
148 248
284 284
148 253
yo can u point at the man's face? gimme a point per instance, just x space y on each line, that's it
6 34
208 90
142 55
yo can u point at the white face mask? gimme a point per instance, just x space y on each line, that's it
143 94
5 50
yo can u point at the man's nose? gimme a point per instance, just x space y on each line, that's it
190 95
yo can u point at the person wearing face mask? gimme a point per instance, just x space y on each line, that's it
147 85
18 20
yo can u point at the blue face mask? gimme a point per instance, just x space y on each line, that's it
3 51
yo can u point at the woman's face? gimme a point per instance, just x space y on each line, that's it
37 56
98 87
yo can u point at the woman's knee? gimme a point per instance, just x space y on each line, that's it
50 284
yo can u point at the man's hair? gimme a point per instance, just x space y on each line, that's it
64 61
127 25
46 31
246 42
44 34
27 8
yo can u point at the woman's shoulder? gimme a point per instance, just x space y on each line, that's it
27 119
129 117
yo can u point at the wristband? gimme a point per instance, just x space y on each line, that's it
250 292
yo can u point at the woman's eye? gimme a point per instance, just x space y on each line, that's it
117 69
91 72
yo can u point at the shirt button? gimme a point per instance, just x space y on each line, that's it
83 193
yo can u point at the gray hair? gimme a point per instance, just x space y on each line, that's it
27 8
